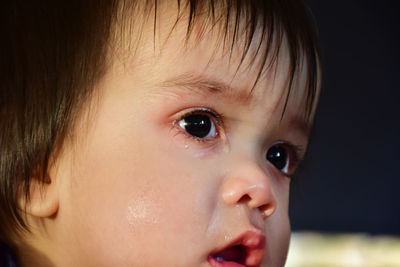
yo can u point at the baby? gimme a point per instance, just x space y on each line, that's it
153 133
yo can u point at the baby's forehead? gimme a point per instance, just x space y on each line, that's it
249 39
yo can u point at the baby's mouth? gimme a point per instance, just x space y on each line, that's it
245 251
232 256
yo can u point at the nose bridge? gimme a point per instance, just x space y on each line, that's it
246 182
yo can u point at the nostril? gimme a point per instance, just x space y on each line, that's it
267 209
245 199
248 185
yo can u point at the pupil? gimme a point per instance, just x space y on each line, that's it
198 125
277 156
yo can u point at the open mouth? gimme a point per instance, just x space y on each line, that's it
246 251
231 257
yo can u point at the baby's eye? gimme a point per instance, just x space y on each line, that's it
282 157
199 125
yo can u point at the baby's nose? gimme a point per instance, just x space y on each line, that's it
247 182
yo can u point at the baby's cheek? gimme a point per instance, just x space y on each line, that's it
142 197
164 214
142 210
278 236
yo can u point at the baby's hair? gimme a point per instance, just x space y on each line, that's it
54 52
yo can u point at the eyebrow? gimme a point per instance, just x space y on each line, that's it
204 86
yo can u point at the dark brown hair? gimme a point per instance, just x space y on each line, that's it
53 53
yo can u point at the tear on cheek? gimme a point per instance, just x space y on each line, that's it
140 211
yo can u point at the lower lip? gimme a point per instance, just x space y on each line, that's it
214 263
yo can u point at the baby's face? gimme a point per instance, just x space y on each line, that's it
177 164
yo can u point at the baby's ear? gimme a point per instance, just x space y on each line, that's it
43 198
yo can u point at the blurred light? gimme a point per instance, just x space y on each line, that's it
310 249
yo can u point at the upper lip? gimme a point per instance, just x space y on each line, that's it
252 242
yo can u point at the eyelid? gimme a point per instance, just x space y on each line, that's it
216 117
200 110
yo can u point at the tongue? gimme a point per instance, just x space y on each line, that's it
235 254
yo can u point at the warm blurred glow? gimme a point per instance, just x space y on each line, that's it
323 250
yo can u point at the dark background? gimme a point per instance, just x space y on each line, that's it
350 181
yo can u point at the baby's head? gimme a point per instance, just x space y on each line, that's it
145 133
